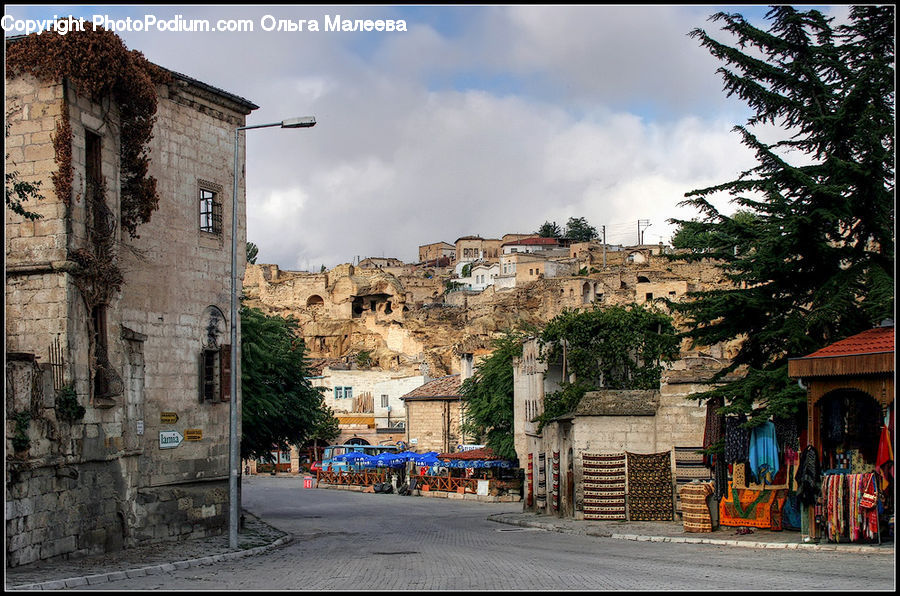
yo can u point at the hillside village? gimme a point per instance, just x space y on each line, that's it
377 329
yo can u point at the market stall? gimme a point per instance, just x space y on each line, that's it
849 467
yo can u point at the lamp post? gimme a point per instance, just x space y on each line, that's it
233 439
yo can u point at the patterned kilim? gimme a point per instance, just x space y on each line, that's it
650 486
542 481
696 512
604 485
530 476
554 495
689 466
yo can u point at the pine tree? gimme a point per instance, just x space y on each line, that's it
813 263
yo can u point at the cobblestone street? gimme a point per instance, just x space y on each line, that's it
347 541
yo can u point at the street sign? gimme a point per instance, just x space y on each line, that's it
168 417
193 434
169 439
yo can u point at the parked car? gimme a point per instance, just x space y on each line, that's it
316 466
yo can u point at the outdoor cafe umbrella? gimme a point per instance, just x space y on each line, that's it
426 459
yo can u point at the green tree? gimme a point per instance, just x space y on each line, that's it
252 251
621 347
18 192
549 229
280 407
579 230
488 397
815 262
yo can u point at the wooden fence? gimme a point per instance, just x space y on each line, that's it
364 478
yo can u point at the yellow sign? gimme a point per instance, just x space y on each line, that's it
193 434
168 417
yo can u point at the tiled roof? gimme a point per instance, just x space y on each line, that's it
481 453
443 387
532 241
873 341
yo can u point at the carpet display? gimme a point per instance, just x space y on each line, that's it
554 494
650 486
604 485
542 481
696 517
751 508
689 466
530 478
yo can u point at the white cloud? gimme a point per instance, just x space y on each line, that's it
518 115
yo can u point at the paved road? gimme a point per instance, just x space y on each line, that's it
351 541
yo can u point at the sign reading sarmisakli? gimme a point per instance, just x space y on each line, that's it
169 439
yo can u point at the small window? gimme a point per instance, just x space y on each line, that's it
210 212
649 296
215 374
384 401
338 393
348 392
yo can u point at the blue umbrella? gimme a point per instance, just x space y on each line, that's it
387 460
426 459
358 457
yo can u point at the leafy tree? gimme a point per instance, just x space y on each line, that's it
579 230
815 262
488 397
621 347
549 230
252 251
280 407
703 242
19 191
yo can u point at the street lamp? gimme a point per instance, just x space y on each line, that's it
234 441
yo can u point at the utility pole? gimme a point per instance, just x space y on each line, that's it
604 246
646 224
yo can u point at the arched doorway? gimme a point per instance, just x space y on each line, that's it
849 428
357 441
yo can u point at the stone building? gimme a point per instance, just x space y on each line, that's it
118 412
607 421
433 415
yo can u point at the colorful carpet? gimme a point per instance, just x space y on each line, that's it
695 511
604 485
541 500
554 493
751 508
650 486
689 466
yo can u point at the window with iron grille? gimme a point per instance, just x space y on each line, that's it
210 212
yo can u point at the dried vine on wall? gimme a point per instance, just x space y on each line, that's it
126 77
99 66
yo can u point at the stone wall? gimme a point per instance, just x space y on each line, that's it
433 425
102 482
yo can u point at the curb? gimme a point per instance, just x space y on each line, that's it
856 549
73 582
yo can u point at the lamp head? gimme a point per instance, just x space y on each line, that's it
301 122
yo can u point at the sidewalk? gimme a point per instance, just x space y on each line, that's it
674 532
257 537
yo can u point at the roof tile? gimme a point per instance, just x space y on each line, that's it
873 341
443 387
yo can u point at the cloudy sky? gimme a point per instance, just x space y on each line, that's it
477 120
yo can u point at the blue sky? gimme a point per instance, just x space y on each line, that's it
477 120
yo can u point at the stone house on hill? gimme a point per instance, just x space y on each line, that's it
117 402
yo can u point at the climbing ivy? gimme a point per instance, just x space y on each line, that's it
67 404
20 440
620 347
